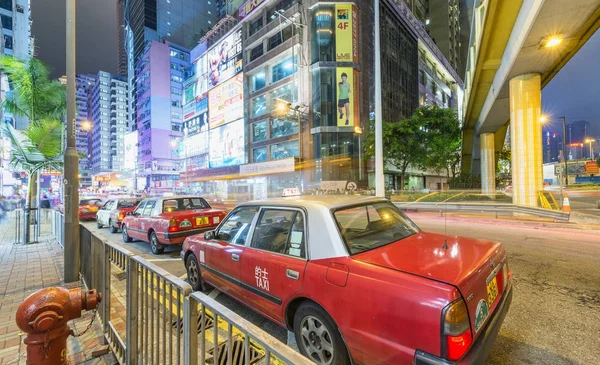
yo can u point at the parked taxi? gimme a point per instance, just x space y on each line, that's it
114 211
169 220
356 280
88 208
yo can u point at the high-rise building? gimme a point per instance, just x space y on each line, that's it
448 22
16 40
121 51
291 108
109 118
159 115
578 131
83 125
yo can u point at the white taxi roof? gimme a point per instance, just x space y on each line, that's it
324 240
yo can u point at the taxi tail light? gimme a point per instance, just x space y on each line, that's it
121 216
172 225
456 330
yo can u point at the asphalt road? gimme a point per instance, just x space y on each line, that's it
555 313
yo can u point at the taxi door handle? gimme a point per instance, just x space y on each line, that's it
292 274
235 257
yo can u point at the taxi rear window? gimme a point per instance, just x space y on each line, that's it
366 227
172 205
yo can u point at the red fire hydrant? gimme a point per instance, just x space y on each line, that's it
44 316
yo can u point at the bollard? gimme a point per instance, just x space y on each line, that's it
44 316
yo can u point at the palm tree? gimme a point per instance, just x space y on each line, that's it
43 102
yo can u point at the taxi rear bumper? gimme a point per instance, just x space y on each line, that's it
480 350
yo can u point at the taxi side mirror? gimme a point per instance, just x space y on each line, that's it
210 235
128 213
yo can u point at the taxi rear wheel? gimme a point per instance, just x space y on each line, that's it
193 273
112 227
126 237
155 246
318 337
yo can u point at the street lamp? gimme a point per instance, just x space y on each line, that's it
590 140
544 119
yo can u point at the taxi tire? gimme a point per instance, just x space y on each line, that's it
112 228
340 356
126 237
98 224
199 286
155 246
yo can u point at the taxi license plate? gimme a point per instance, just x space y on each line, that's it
492 291
201 221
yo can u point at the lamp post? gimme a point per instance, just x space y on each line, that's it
590 140
71 160
545 119
358 132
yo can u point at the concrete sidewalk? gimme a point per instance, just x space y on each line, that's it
25 269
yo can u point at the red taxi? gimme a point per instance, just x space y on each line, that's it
114 211
168 221
357 281
89 207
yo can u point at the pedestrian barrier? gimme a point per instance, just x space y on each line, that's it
152 317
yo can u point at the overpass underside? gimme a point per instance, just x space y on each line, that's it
516 48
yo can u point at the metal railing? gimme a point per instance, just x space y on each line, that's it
217 335
152 317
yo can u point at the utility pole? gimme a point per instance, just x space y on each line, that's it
564 125
379 186
71 162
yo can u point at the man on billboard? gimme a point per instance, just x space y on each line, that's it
218 64
344 98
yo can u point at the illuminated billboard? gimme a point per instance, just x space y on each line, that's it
227 145
347 96
130 153
226 102
225 59
346 33
199 123
195 145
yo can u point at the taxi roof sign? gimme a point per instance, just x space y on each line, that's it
291 192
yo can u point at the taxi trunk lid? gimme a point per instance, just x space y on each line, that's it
466 263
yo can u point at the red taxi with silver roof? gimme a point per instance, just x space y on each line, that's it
169 220
356 280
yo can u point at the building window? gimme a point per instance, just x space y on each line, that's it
256 52
280 7
283 69
287 92
7 22
255 26
322 30
259 154
259 106
176 78
8 42
258 81
285 150
280 37
259 131
6 4
283 127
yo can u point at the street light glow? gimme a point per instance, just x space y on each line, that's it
543 119
173 143
86 125
552 41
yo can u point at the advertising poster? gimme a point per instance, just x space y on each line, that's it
226 102
189 110
130 153
347 96
346 33
225 59
227 145
249 6
196 145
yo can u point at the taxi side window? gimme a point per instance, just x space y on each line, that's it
280 231
149 207
236 227
140 207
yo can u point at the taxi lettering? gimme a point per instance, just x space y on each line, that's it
262 279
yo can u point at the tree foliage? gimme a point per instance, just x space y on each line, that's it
429 139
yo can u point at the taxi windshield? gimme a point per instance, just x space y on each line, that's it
177 204
128 203
373 225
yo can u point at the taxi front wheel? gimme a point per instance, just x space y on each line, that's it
318 337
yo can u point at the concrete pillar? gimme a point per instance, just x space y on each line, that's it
488 164
526 138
